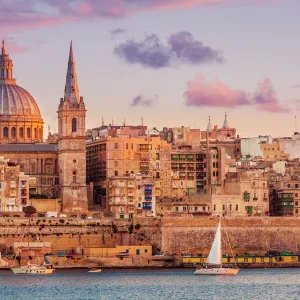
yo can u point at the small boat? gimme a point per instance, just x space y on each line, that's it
214 259
95 270
33 270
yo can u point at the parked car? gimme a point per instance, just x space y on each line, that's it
60 254
62 216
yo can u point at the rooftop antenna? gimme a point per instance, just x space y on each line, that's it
102 121
142 119
49 131
124 123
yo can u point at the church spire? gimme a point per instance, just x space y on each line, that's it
209 127
71 88
225 124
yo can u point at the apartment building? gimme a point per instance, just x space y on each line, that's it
119 156
195 169
131 195
14 187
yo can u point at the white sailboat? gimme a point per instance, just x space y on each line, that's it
214 259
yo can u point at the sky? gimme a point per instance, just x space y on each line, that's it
171 62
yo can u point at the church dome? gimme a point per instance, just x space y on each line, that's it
20 117
15 100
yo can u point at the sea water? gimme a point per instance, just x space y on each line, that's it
151 284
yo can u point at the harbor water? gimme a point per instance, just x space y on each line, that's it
151 284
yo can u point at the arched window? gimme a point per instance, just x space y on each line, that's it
35 133
2 74
13 132
28 132
74 179
5 132
21 132
74 125
7 74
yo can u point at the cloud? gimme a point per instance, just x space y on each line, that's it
187 49
181 47
266 99
116 32
150 52
141 100
201 93
29 14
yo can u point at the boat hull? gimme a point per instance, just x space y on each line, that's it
95 271
216 271
29 271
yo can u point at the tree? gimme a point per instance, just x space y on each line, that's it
29 211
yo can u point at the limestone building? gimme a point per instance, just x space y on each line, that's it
58 166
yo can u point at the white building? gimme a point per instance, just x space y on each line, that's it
251 146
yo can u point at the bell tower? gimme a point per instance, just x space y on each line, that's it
72 144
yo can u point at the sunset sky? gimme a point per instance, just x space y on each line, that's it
172 62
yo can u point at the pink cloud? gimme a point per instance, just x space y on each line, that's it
28 14
203 93
266 99
200 92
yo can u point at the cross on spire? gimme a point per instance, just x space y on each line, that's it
3 48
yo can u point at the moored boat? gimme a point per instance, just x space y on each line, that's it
33 270
214 260
95 270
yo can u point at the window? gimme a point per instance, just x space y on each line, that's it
214 164
5 132
116 163
176 208
116 173
28 133
184 208
236 207
296 203
196 208
13 132
223 207
203 208
35 133
74 125
116 146
74 179
296 195
215 207
21 132
214 173
126 146
296 210
230 207
296 185
146 250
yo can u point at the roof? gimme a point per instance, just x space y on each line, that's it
28 147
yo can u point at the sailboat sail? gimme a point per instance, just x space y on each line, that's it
215 254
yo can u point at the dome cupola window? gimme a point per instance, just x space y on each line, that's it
13 132
28 133
21 132
5 132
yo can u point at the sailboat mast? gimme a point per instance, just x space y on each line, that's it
221 239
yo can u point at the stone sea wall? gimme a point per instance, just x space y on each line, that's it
168 235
